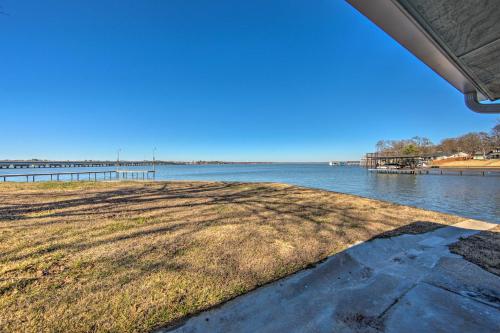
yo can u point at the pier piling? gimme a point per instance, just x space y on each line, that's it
134 174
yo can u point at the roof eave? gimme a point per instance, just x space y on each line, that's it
391 17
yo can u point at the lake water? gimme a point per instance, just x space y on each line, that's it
469 196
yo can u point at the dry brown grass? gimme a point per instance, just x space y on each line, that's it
481 164
482 249
130 257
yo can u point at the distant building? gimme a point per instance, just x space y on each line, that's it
459 155
494 154
479 156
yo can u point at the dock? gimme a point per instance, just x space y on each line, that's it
372 160
345 163
440 171
83 175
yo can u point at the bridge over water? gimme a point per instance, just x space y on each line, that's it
20 164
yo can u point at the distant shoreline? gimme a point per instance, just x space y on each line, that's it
36 163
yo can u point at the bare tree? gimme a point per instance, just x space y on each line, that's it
380 146
495 136
470 143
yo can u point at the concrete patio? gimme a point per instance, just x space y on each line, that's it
409 283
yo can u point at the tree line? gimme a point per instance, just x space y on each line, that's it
470 143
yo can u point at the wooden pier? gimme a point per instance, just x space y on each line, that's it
84 175
440 171
135 174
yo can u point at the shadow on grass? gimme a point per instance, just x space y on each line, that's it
417 227
261 203
227 238
482 249
488 242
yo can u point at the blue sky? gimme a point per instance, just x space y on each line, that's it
258 80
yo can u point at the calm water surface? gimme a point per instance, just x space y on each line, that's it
469 196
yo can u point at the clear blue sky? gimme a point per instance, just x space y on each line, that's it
262 80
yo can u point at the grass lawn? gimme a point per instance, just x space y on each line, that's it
133 256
